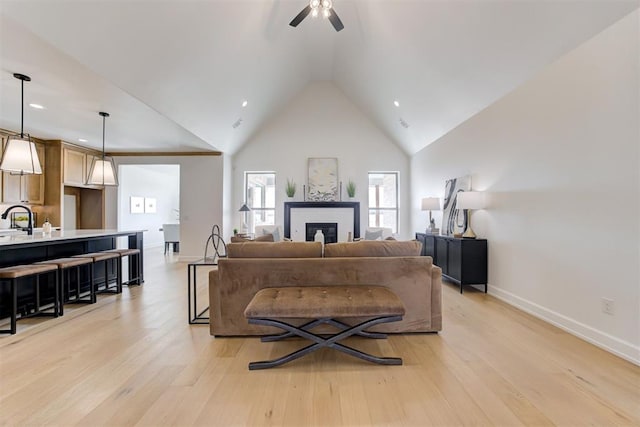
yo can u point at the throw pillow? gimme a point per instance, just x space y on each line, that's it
275 232
373 235
265 238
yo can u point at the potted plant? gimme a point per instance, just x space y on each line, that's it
351 189
235 231
290 189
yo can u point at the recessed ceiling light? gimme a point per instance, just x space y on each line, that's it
82 140
244 103
36 106
396 103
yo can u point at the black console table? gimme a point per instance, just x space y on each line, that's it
463 261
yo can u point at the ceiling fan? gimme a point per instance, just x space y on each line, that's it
316 7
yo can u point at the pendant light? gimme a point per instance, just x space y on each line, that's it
20 155
103 171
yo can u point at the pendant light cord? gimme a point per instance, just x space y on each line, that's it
22 112
103 126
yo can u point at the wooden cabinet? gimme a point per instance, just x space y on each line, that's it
25 188
74 167
463 261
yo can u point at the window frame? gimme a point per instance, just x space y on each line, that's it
379 209
259 209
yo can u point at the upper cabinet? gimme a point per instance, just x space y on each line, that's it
26 188
76 165
74 169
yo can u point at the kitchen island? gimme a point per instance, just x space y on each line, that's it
24 249
18 249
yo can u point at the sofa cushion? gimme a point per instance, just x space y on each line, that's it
274 250
373 248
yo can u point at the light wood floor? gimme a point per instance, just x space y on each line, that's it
134 360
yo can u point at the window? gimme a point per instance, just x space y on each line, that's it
260 190
383 200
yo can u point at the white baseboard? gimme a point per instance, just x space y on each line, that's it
621 348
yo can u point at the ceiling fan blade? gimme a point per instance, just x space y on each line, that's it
299 17
335 21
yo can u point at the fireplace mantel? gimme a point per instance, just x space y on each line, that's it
354 206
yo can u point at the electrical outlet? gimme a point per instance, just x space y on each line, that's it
607 306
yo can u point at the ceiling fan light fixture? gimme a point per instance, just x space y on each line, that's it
314 8
103 170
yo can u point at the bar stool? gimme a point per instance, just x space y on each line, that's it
65 265
105 256
11 275
133 254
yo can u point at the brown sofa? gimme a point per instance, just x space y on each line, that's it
252 266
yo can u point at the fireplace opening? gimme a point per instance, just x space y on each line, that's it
329 229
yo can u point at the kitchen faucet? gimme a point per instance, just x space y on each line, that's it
30 226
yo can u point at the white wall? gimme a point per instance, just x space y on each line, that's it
161 182
201 183
560 156
227 201
321 122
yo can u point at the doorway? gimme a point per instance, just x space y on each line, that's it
148 197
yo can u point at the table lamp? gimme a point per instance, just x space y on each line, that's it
244 209
431 204
470 200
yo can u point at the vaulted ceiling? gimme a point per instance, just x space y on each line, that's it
173 74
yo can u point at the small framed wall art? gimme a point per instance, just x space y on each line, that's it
137 204
149 205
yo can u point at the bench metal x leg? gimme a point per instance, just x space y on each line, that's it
312 324
321 342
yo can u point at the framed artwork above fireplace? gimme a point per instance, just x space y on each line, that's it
322 179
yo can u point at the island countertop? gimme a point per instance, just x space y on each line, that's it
20 249
58 236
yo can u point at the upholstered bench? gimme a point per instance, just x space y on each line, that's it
324 304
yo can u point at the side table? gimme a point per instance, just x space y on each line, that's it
197 317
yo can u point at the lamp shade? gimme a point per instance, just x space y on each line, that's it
471 200
431 204
20 156
102 173
103 170
244 208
